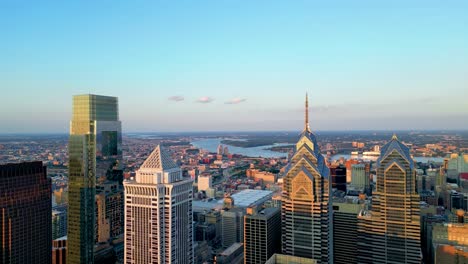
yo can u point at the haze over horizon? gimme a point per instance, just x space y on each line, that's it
223 66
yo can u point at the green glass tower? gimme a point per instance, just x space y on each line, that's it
94 149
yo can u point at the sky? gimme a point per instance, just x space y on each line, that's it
180 66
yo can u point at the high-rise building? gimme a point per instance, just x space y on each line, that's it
232 226
338 176
305 205
345 233
214 217
158 213
360 174
59 223
25 214
261 236
94 152
390 231
349 163
450 242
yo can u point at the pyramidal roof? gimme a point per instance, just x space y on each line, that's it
159 159
395 145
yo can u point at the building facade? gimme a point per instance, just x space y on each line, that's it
25 214
306 226
338 176
59 251
345 233
158 213
360 177
261 236
390 231
94 151
59 223
232 226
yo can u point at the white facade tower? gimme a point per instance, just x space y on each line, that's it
158 213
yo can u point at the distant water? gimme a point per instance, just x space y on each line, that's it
374 158
211 145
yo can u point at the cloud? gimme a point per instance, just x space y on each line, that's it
205 100
176 98
236 101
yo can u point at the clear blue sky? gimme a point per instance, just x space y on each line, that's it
366 64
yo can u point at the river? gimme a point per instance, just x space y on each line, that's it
211 145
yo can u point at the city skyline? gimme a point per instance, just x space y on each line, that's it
200 67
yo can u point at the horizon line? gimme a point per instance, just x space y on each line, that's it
248 131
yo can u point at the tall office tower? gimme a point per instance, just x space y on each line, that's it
94 151
305 203
215 218
261 236
232 226
345 234
25 213
338 176
158 213
360 178
390 232
349 171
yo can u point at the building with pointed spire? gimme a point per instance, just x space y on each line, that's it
390 231
158 213
305 212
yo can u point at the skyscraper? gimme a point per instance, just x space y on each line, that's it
360 178
338 176
305 203
158 213
232 226
345 233
94 151
25 214
262 238
390 232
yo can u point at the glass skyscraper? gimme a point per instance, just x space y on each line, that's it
25 213
94 152
390 231
305 202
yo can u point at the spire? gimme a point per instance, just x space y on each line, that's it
307 127
394 137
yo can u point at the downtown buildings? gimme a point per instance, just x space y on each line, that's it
158 213
25 214
261 236
306 212
390 231
94 153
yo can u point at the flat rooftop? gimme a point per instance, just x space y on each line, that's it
250 197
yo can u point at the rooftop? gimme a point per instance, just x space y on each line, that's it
250 197
159 159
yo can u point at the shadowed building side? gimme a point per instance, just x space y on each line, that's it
25 214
